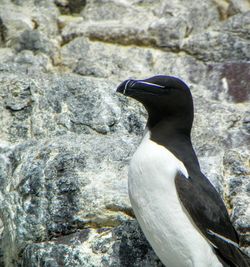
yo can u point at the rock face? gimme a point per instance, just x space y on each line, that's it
66 138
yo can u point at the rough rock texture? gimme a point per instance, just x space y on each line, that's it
66 138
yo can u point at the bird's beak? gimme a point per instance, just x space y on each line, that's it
127 86
124 86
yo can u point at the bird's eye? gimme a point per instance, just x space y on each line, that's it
167 90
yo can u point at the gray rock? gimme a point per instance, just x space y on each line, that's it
33 40
230 81
236 163
228 41
60 186
166 24
70 6
100 60
66 138
53 105
240 6
124 245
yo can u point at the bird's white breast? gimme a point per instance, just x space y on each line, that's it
159 212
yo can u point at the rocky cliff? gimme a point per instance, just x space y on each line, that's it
66 138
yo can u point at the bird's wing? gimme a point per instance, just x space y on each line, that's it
208 212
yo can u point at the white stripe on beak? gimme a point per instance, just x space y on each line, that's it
125 87
153 84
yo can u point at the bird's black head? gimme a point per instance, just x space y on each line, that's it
166 98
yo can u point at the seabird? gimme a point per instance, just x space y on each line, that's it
180 212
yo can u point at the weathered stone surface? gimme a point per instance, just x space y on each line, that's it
228 41
230 81
53 105
66 138
70 6
166 24
124 245
236 163
239 6
63 185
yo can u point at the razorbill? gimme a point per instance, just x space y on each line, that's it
180 212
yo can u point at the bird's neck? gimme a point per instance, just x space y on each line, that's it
176 122
176 138
180 125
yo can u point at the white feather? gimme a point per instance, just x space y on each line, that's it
223 238
159 212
